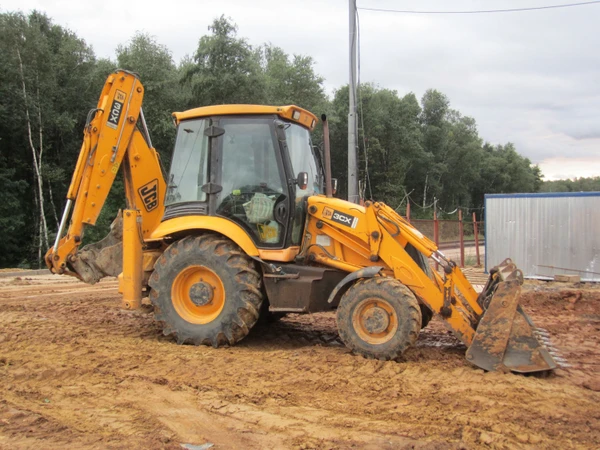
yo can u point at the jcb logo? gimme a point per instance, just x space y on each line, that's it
116 109
149 195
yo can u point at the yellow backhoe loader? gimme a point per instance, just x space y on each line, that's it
246 221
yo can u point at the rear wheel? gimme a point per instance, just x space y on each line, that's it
379 318
205 290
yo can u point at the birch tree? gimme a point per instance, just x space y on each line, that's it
45 81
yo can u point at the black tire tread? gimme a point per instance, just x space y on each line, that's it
248 290
397 290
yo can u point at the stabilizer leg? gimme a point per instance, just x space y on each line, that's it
131 281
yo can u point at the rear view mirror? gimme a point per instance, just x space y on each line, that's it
302 180
334 185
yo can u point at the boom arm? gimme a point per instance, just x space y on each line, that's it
498 333
378 236
110 140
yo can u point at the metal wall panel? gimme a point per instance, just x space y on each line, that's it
545 234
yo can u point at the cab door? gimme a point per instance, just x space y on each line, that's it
254 190
302 158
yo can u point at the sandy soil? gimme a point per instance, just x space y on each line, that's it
76 371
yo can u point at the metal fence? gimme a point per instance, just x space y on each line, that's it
457 234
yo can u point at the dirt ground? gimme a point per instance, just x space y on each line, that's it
76 371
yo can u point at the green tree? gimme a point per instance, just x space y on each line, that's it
390 131
13 220
337 115
434 120
292 81
591 184
45 82
154 64
226 68
50 78
460 161
390 141
503 170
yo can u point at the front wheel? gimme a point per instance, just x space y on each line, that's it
379 318
205 290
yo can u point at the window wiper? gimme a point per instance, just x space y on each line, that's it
282 124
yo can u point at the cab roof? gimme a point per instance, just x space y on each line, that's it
289 112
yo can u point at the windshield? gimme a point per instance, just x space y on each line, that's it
189 165
249 157
303 158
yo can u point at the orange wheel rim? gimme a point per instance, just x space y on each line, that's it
375 321
198 294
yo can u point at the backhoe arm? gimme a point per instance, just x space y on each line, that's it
111 140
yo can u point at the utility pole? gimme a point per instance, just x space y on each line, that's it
352 128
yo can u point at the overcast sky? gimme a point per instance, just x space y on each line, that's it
531 78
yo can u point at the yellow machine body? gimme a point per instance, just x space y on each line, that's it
341 247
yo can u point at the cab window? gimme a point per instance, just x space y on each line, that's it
251 179
189 164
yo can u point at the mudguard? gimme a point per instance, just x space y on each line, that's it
342 286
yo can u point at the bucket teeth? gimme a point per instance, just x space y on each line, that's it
543 337
551 349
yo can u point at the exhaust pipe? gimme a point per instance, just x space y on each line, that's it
327 151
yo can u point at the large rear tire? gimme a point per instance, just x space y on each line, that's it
205 290
379 318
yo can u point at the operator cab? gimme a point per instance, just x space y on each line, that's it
253 165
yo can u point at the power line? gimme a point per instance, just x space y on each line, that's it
485 11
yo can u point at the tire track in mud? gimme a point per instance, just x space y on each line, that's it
112 380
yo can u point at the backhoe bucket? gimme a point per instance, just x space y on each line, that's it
506 339
103 258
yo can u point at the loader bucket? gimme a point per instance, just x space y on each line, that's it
505 339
